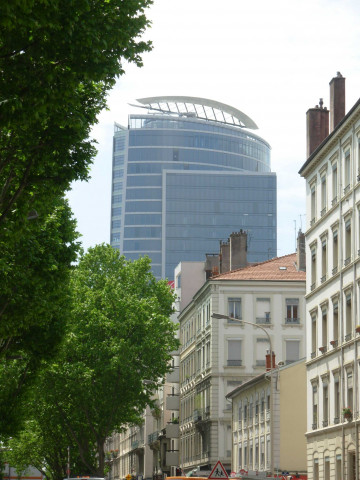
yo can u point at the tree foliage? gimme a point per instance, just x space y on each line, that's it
58 59
35 301
114 355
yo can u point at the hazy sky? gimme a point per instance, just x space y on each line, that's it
271 60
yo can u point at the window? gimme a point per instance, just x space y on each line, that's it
313 268
313 335
234 308
323 259
263 310
347 241
335 252
334 184
292 310
292 351
314 406
349 390
261 347
335 322
324 325
347 171
325 404
336 399
323 194
234 353
312 204
348 316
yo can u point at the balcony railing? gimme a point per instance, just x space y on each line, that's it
323 211
261 320
325 423
334 270
292 320
323 278
346 189
312 221
234 363
348 337
347 261
334 201
312 286
336 420
334 343
313 354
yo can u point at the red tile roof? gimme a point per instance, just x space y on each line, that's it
277 269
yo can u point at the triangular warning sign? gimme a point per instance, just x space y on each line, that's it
218 472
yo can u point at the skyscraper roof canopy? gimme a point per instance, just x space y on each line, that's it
197 107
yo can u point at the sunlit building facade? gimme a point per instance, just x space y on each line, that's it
185 174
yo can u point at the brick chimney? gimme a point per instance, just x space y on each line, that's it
317 126
300 252
337 100
268 361
238 250
224 257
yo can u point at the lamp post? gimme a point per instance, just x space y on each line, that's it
220 316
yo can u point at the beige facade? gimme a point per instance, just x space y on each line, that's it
218 355
263 417
332 174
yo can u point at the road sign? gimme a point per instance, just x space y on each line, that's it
218 472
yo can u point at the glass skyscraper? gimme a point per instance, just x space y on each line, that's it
187 173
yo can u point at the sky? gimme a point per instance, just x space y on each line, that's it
273 60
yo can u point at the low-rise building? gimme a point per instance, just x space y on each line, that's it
270 409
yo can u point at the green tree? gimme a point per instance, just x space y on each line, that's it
114 355
35 301
58 60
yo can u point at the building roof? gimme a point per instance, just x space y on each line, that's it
281 269
200 108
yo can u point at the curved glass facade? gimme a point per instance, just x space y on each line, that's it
180 185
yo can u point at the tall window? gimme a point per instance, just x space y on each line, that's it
347 171
324 328
348 315
323 194
313 335
313 268
325 404
234 353
349 390
335 252
234 308
336 399
292 351
292 310
323 259
263 310
312 204
347 241
315 406
335 321
261 347
334 184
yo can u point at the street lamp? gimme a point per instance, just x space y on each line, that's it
220 316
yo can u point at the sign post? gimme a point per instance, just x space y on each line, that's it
218 472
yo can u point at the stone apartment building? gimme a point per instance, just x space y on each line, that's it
218 355
332 174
